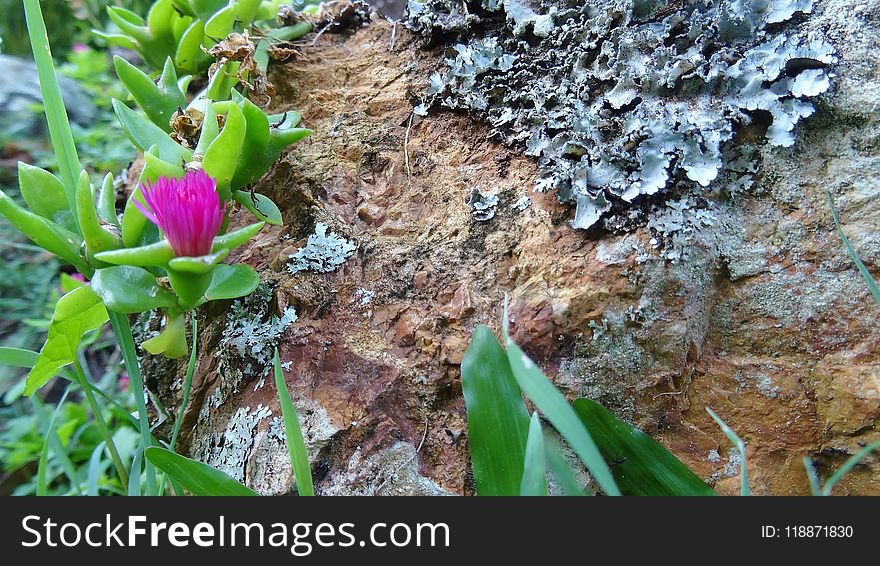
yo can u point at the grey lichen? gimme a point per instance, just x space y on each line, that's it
324 252
623 98
482 206
229 450
250 336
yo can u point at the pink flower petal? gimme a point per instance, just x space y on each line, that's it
187 210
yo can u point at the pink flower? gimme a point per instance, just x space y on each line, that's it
79 48
187 210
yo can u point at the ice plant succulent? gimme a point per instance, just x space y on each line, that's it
189 213
187 210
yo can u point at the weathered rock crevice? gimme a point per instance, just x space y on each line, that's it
747 304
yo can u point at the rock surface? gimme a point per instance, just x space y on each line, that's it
763 317
18 95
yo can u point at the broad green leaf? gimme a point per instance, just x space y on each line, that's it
497 419
127 289
642 466
18 357
556 409
534 476
260 206
251 160
232 282
247 9
44 195
296 445
76 313
195 477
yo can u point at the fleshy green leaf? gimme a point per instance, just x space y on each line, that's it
128 289
264 209
44 195
556 409
107 201
498 423
198 265
643 466
190 57
157 254
196 477
220 24
144 134
45 233
171 341
158 101
222 155
76 313
232 240
232 282
534 475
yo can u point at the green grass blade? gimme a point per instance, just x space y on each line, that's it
866 275
741 446
497 420
195 477
296 445
534 475
187 384
849 465
134 481
561 469
56 113
812 476
643 466
51 441
96 469
18 357
122 329
556 409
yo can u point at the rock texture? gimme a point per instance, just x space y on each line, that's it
747 305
